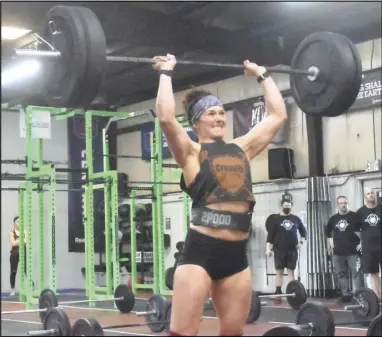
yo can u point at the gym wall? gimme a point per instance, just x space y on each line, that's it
55 149
357 132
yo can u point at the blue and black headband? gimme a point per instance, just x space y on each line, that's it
196 108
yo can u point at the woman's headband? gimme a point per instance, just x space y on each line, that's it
195 109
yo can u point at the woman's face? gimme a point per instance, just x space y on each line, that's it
16 224
212 124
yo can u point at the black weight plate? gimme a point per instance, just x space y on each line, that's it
47 300
168 317
285 331
67 73
169 278
296 287
375 328
328 94
370 303
319 315
357 75
57 319
87 327
179 245
255 310
167 240
127 304
96 56
159 304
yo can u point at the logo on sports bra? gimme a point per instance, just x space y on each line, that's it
229 172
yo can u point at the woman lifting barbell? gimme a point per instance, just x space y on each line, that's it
217 177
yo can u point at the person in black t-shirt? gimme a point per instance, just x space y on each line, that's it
283 239
370 228
343 233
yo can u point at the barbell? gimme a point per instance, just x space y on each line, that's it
326 68
315 319
124 300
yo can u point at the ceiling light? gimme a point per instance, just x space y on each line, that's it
12 33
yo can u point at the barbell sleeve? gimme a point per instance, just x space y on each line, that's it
22 311
145 313
132 59
37 53
50 332
353 307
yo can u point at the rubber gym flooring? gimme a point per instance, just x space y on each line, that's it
271 315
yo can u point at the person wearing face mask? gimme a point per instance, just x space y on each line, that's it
343 233
282 238
370 228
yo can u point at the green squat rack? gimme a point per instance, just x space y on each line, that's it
35 178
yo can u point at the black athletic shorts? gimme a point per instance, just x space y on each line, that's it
285 259
371 261
219 258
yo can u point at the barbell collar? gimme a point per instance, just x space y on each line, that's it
312 72
353 307
307 326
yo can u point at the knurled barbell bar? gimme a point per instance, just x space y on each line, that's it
312 72
315 319
123 297
326 69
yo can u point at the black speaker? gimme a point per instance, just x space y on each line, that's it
280 163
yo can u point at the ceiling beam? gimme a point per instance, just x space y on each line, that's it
170 32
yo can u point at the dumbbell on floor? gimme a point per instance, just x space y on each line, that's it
315 319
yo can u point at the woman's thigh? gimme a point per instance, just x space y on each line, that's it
232 298
191 288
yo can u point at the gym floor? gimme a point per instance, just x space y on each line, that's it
271 316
